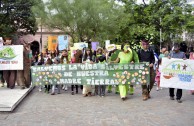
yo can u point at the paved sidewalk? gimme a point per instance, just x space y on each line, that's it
40 109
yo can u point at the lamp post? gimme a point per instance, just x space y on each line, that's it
40 35
160 34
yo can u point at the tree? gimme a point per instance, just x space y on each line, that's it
83 20
142 21
16 17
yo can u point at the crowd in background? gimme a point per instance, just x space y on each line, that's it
101 55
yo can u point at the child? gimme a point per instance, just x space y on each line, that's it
101 88
87 58
64 60
56 61
157 78
48 87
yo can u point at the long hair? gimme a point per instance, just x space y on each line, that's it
78 56
86 55
66 57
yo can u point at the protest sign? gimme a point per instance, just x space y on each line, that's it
95 45
52 43
63 42
118 47
11 57
91 74
80 45
111 47
107 43
177 73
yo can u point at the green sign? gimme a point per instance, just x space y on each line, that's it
91 74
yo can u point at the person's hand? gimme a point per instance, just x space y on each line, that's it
84 62
91 62
132 62
169 57
151 65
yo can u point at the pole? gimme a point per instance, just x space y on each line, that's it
40 35
160 35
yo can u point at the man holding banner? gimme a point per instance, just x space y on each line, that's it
147 55
176 53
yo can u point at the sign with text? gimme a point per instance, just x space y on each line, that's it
81 45
177 73
91 74
11 57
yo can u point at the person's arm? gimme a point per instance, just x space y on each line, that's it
135 57
139 55
184 56
117 59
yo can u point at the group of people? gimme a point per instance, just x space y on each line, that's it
126 55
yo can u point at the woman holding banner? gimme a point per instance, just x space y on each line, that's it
126 56
64 60
87 58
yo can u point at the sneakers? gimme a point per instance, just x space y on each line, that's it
171 98
40 89
179 101
72 93
53 93
145 97
157 88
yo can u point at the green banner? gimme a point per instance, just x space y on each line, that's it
91 74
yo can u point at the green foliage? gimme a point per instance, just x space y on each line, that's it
16 16
144 21
83 20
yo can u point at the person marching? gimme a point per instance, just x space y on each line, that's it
112 56
64 60
100 58
146 55
124 57
56 61
176 53
99 54
77 58
87 58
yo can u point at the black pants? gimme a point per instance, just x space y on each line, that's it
10 78
1 77
101 90
178 93
47 87
72 87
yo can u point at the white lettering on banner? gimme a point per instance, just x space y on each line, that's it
72 67
126 67
63 67
91 73
100 81
141 66
67 74
88 66
70 81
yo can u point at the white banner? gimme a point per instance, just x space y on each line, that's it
177 73
11 57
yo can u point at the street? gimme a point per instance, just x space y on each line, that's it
41 109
